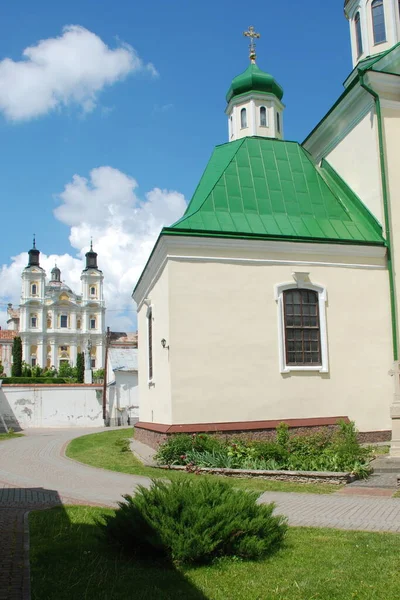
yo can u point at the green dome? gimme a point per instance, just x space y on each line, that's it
254 80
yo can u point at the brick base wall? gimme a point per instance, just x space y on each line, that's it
154 438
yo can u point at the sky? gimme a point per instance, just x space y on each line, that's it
110 110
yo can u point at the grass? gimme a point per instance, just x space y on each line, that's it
105 450
10 436
68 561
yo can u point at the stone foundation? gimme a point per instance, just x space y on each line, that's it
295 476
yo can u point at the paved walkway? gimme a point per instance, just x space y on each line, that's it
34 473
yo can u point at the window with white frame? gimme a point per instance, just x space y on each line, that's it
263 116
92 322
34 289
378 21
278 122
357 24
243 118
64 321
34 321
92 290
302 327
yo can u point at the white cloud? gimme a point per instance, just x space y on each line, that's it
124 229
70 69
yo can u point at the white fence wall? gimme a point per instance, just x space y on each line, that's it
25 406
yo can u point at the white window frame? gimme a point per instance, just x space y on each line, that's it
34 317
62 326
92 320
266 116
34 286
322 297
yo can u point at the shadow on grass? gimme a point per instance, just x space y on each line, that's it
70 560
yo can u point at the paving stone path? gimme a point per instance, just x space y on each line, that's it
34 473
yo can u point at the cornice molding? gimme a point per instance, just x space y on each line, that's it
168 248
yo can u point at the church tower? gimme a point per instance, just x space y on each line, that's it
93 307
374 26
254 101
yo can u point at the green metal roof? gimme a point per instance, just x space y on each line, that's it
253 79
271 189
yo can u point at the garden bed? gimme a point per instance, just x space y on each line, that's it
330 477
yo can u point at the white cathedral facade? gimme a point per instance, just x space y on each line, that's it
55 324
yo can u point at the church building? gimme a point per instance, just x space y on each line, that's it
55 324
275 297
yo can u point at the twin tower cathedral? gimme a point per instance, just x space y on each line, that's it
55 324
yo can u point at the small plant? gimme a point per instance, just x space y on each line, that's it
282 435
16 369
80 367
194 522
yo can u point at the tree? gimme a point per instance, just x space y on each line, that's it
80 367
16 369
2 373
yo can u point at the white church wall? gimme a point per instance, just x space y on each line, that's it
224 345
155 395
356 160
391 124
51 406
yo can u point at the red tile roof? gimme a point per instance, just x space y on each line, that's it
7 334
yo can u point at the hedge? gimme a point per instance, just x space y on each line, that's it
32 380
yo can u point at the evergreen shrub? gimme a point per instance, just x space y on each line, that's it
16 368
34 380
194 522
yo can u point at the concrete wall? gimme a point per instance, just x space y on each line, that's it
24 406
219 316
123 397
356 159
224 346
157 393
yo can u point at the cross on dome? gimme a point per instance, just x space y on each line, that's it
253 35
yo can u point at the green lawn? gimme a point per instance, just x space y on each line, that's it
104 450
10 436
69 561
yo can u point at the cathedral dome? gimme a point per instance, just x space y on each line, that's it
55 274
253 79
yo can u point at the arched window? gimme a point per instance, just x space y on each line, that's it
302 328
263 116
278 122
378 21
34 289
92 290
243 118
357 24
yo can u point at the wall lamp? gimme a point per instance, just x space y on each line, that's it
164 344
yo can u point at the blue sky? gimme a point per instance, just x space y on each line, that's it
150 127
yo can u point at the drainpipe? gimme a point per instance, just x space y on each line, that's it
105 378
388 230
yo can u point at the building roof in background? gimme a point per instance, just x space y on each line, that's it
7 334
125 338
263 188
123 359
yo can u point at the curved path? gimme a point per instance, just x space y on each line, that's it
37 460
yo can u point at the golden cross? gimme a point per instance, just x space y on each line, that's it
252 46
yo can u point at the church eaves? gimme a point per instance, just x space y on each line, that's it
265 188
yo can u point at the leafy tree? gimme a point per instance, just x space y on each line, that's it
2 373
80 367
16 369
66 370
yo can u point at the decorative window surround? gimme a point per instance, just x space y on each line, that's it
301 281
